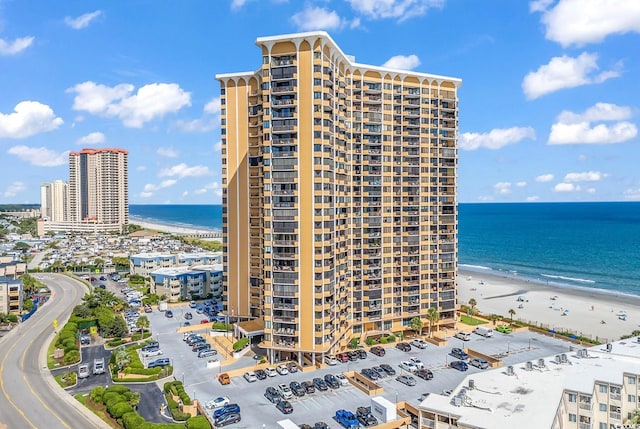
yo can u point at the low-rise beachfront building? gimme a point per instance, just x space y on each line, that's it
200 258
11 295
144 263
187 283
595 388
12 269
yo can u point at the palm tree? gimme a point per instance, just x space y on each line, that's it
512 313
432 317
473 303
416 325
142 323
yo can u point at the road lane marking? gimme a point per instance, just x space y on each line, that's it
6 394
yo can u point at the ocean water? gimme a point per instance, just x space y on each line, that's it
579 245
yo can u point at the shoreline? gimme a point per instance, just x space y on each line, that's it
175 229
562 308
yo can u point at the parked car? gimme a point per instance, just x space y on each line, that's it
188 315
309 387
405 347
347 419
193 304
272 394
388 369
227 419
370 374
321 425
331 381
207 353
218 402
229 408
271 372
365 417
330 360
159 363
224 379
83 371
260 374
198 347
425 374
282 370
479 363
353 355
505 329
250 376
151 352
151 345
419 343
459 353
462 335
342 379
320 384
407 365
168 314
377 350
85 339
297 388
342 357
417 362
406 379
381 372
484 331
292 367
98 366
362 354
285 407
285 391
459 365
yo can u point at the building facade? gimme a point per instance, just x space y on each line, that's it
53 197
187 283
11 295
339 195
98 187
143 264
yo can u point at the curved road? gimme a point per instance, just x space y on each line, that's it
29 396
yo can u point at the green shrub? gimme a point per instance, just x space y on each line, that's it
167 386
370 341
97 394
142 371
219 326
119 409
198 422
112 398
383 340
71 357
132 420
171 403
115 342
240 344
118 389
391 338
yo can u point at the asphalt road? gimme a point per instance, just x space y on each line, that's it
29 396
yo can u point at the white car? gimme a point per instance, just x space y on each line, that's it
330 360
342 379
419 343
83 371
219 402
250 376
417 362
285 391
282 369
408 366
152 352
271 372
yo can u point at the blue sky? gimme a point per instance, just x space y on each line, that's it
548 106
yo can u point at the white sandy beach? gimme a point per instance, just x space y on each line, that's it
175 229
586 310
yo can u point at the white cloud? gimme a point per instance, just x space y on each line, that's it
317 18
82 21
574 128
149 102
15 47
14 189
146 194
566 187
39 156
521 184
632 194
539 5
533 198
141 168
588 176
167 152
565 72
590 190
150 187
213 106
185 194
544 178
214 187
402 62
237 4
502 188
28 118
209 120
401 9
183 170
496 138
91 138
579 22
218 146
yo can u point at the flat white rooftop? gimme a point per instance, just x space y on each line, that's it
530 397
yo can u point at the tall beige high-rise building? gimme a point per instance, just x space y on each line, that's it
98 187
339 196
53 197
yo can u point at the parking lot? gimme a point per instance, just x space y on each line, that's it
200 382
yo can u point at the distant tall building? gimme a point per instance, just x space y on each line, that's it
99 186
53 201
339 196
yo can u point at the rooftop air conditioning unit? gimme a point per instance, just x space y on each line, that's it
580 353
563 358
529 366
609 347
541 363
457 401
558 359
472 384
638 339
510 370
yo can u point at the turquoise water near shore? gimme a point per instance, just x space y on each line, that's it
585 245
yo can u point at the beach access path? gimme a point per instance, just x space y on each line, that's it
559 308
